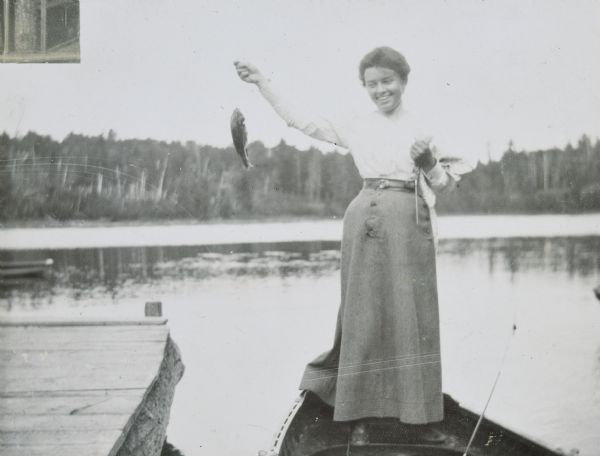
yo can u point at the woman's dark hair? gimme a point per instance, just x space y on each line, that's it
385 57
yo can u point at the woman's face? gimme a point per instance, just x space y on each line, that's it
385 88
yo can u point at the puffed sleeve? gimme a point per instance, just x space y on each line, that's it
296 117
439 179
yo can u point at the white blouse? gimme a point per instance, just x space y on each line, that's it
380 145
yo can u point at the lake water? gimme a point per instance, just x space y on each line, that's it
247 317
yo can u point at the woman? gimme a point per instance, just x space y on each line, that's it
385 360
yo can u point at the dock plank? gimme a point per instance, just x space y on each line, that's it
80 404
61 334
54 450
60 438
112 356
71 450
70 404
39 345
67 392
79 383
69 389
49 321
56 422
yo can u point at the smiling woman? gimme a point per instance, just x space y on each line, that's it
384 72
385 361
385 88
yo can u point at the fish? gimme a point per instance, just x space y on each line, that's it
455 165
240 136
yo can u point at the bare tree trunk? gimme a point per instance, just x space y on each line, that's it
546 170
64 178
533 170
99 183
12 160
221 185
557 167
78 205
204 170
118 178
159 190
142 187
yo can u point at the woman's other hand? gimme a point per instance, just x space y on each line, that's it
248 72
422 155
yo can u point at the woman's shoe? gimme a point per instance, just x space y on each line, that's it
428 434
359 436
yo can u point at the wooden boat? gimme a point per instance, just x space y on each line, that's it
22 269
309 430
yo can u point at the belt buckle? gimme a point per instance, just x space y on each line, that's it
383 184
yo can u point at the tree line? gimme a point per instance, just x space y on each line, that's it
102 177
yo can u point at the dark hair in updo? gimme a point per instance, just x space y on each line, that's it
384 57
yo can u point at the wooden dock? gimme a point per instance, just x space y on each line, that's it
75 387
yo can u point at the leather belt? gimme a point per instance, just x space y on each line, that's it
395 184
392 184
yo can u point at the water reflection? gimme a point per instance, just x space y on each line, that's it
575 255
112 267
84 271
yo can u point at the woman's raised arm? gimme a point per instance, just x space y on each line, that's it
293 116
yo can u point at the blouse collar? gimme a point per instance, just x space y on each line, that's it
397 114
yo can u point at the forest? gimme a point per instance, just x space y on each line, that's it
105 178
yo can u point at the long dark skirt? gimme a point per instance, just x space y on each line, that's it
385 361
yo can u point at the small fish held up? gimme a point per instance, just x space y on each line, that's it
240 136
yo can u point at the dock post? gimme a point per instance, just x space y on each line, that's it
153 309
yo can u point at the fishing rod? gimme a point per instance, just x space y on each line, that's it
417 176
480 420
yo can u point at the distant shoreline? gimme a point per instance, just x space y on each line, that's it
303 230
100 223
105 179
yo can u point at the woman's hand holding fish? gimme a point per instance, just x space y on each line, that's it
248 72
422 155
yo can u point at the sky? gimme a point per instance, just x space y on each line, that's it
487 71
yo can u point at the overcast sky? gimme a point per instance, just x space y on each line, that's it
489 71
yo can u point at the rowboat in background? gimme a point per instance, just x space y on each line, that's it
309 430
25 269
